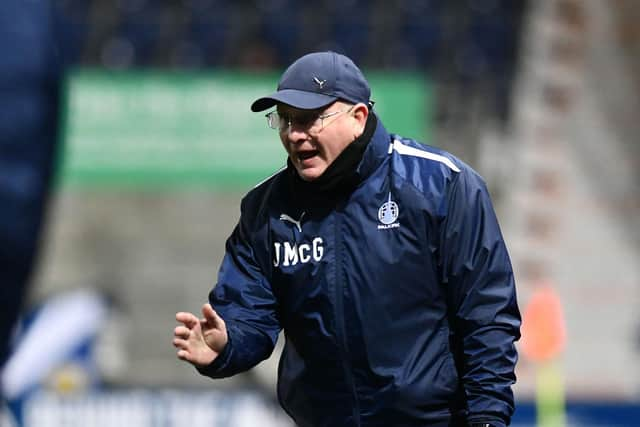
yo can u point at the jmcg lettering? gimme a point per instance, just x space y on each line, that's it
291 253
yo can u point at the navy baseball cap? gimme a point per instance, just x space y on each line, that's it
317 80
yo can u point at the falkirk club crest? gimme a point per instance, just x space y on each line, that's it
388 214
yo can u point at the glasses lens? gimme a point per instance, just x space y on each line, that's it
306 120
310 121
273 120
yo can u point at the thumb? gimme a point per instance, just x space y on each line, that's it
210 316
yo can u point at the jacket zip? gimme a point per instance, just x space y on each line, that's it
340 322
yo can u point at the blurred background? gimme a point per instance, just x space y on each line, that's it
153 145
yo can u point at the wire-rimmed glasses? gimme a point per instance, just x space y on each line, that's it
311 121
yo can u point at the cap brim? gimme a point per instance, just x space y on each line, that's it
295 98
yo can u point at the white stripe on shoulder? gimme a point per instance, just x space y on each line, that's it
412 151
270 176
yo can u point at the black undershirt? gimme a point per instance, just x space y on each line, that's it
340 177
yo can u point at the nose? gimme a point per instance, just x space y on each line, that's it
296 133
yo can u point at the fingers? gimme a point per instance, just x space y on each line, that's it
199 340
181 335
187 319
180 343
184 355
182 332
183 345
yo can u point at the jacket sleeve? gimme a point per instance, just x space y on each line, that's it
484 315
244 299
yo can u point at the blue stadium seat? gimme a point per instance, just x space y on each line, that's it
206 31
280 27
71 20
350 26
140 24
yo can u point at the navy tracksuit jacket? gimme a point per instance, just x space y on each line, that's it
397 299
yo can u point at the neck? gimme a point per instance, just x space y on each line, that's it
340 177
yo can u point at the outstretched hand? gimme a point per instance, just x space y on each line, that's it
200 341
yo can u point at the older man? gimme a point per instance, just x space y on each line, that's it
382 260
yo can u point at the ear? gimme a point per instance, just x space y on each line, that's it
360 113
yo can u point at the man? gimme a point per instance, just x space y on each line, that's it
381 259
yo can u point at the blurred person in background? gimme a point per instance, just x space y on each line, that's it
30 73
382 260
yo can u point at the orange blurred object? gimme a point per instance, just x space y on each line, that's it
543 330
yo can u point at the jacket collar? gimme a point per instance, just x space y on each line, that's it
327 192
377 150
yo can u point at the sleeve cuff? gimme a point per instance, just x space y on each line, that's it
218 365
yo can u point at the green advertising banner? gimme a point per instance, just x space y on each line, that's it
166 129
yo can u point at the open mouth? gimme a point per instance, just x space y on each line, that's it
306 155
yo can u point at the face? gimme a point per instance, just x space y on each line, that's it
313 147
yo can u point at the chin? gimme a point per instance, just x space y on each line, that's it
309 174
